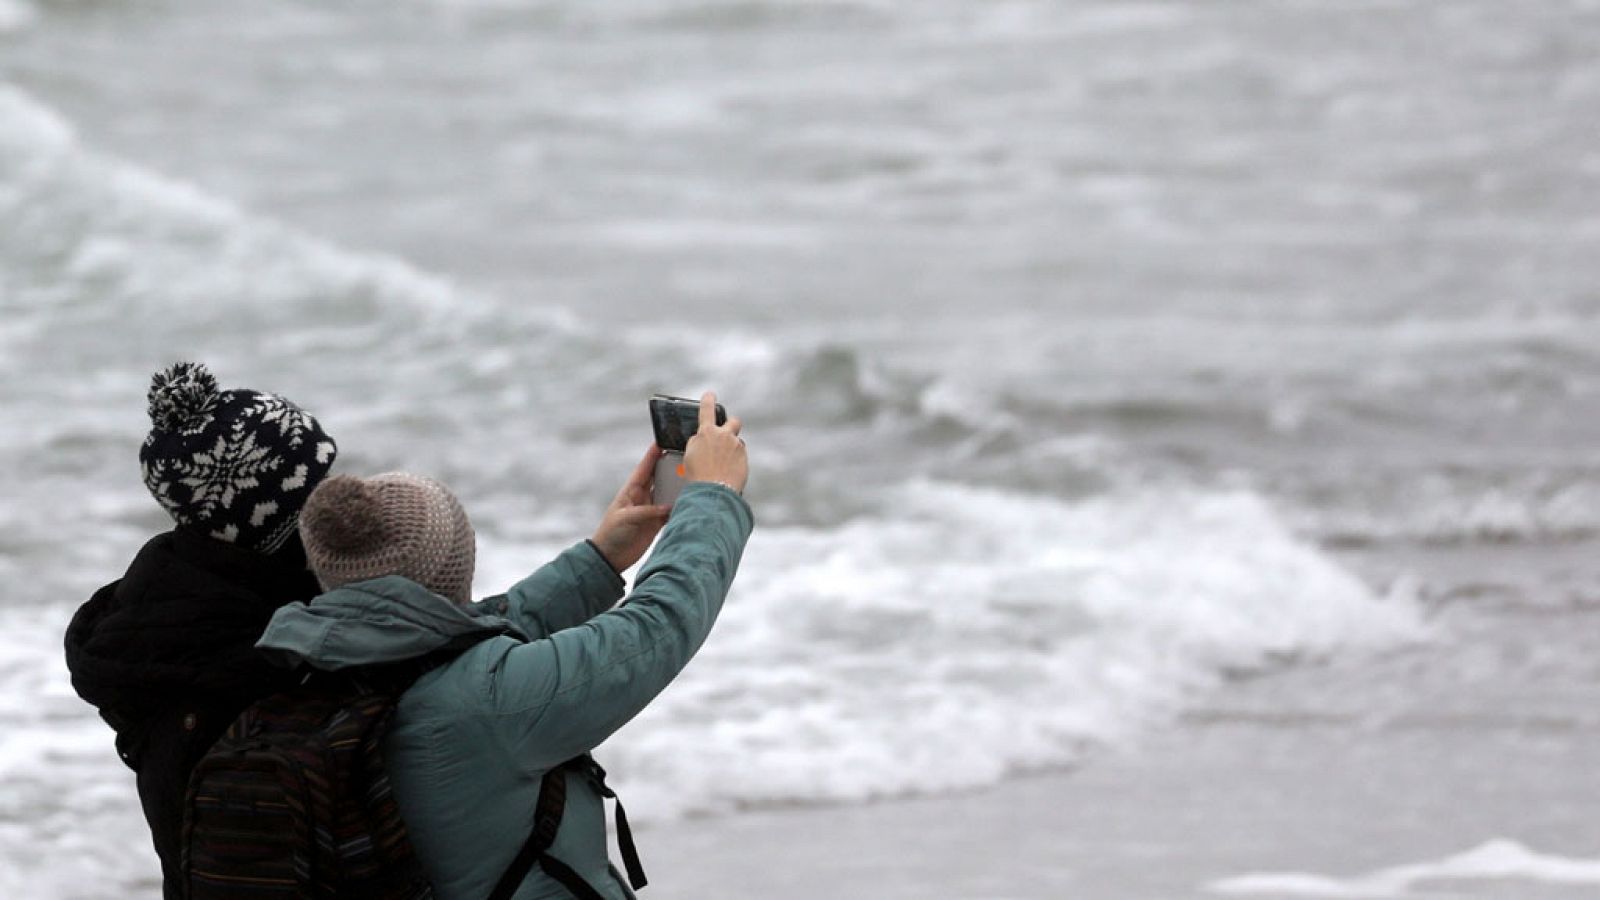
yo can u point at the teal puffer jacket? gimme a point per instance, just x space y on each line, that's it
565 668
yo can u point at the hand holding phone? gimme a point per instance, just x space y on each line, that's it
699 443
632 521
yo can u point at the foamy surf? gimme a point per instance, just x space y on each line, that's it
961 635
1498 860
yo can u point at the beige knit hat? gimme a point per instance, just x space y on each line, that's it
390 524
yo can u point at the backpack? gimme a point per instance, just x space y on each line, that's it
293 802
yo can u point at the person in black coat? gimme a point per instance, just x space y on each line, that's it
166 653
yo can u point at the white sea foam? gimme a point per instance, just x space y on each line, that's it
1496 860
966 634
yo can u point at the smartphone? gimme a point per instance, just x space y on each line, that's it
675 420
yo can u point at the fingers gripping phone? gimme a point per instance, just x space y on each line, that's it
675 420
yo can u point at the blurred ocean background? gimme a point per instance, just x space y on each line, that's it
1097 358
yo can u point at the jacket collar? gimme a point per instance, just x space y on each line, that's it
375 622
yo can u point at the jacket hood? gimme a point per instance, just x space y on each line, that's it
382 620
183 620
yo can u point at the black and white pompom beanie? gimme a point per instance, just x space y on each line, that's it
235 465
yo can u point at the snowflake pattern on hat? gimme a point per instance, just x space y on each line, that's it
236 465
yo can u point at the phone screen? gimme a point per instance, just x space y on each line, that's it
676 419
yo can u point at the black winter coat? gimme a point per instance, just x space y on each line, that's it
167 655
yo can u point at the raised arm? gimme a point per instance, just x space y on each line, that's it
564 694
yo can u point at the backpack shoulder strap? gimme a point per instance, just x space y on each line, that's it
630 852
546 822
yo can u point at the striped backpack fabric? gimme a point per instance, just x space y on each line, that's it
293 801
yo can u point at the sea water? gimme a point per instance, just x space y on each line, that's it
1091 355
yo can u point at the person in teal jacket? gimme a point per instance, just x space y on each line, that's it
563 666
